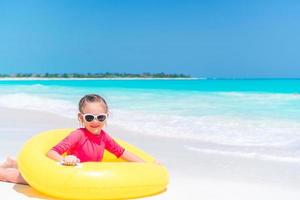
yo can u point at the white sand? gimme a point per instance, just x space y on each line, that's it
193 175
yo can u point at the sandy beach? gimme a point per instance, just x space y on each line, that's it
193 174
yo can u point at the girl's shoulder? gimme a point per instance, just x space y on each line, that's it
105 135
77 133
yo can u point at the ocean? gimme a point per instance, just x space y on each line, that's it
252 118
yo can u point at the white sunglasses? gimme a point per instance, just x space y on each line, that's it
90 117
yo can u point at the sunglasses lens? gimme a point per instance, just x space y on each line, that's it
101 118
89 118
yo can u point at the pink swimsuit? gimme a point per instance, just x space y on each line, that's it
87 146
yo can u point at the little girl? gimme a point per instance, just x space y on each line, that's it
82 145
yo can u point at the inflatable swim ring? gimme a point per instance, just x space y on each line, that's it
111 179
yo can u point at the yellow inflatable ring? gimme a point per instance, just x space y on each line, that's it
111 179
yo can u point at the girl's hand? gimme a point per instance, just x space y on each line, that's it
70 160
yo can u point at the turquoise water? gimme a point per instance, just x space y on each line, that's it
233 114
251 98
261 85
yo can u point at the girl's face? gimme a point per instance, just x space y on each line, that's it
95 109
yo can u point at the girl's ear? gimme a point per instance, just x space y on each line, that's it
80 119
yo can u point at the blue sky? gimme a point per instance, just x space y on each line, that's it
244 39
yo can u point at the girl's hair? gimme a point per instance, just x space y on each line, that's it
91 98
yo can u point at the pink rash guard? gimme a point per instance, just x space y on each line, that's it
88 147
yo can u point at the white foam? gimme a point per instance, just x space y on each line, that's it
172 122
220 118
35 102
215 129
251 155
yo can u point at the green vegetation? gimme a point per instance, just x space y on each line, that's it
94 75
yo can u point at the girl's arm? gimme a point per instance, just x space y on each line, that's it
67 160
55 156
130 157
64 145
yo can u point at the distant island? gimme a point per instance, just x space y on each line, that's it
94 75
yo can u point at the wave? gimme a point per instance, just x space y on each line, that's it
250 155
213 129
39 103
196 117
